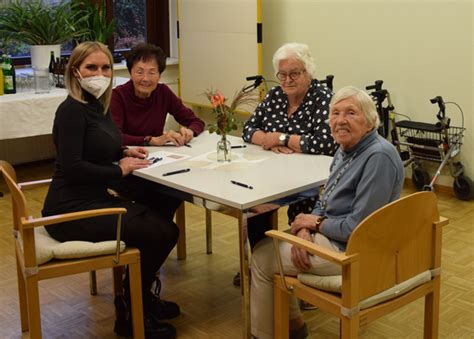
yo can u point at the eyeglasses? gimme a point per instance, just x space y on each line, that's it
282 76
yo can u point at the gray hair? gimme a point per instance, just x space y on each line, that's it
298 51
364 100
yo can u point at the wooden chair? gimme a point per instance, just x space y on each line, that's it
393 257
29 272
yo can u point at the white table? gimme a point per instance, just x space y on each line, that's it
276 176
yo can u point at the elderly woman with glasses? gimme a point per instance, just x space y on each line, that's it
291 118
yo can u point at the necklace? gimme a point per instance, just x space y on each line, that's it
328 190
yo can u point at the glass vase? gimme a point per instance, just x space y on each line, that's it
223 149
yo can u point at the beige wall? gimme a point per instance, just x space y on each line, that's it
420 48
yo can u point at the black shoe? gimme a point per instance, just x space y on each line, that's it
153 328
161 309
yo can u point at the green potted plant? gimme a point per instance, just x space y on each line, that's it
96 27
38 24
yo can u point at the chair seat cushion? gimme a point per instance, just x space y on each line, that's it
329 283
334 283
48 248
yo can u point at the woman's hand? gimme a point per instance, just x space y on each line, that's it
136 152
299 257
187 133
282 149
171 136
271 139
129 164
304 221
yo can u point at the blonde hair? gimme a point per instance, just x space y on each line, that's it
78 56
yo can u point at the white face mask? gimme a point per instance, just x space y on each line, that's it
95 85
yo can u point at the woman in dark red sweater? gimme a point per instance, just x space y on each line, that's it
140 106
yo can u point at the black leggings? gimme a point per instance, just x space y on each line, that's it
142 228
159 198
155 237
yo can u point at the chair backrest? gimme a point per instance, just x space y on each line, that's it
18 198
395 242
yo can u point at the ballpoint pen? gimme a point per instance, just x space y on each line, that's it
241 184
238 146
177 172
154 159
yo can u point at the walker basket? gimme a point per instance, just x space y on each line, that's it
429 141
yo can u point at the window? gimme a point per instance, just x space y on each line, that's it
138 20
130 23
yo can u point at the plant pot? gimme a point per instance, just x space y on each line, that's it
41 55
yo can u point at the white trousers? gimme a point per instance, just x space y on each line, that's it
264 265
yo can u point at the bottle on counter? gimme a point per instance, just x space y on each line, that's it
9 80
51 63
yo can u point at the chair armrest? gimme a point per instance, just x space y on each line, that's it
335 257
34 184
59 218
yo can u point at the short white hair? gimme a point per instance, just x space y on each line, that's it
364 100
298 51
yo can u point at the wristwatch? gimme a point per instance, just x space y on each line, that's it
318 223
283 138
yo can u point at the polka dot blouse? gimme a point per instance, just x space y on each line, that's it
271 115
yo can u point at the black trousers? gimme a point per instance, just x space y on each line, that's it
148 224
142 228
161 199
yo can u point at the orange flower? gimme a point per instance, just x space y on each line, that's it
217 99
225 120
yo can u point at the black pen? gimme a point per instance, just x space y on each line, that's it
238 146
156 160
188 145
177 172
241 184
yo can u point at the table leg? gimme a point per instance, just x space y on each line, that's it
208 231
181 223
244 274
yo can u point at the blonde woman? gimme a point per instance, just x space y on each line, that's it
89 156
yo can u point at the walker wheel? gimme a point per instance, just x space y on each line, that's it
420 178
463 187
